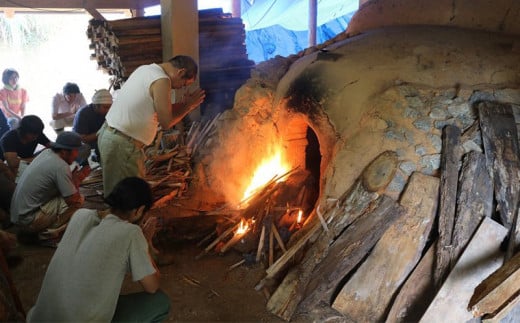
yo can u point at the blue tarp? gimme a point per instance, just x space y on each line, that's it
280 27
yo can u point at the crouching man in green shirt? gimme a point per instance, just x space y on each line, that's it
84 278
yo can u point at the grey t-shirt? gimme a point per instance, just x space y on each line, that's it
84 277
47 177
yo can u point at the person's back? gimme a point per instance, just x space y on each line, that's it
84 278
91 261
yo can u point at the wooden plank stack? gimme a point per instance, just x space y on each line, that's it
120 46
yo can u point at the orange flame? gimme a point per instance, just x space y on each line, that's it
268 169
242 227
299 219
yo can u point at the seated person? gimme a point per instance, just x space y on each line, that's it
4 125
13 97
75 290
90 118
19 144
7 186
47 193
65 105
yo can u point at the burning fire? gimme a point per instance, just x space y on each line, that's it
299 219
268 169
242 227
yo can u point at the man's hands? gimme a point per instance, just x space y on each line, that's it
78 175
193 99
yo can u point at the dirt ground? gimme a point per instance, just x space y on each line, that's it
202 290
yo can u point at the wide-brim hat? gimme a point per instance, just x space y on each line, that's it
67 140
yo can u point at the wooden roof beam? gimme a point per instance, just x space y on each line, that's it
79 4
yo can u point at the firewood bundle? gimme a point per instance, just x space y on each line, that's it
263 223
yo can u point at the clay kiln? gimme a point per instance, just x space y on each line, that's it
401 73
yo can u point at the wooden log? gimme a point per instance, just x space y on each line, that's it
376 176
497 290
416 294
474 202
348 251
500 141
481 257
450 163
369 292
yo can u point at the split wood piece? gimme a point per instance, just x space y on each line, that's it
369 292
348 251
508 313
354 202
497 290
500 139
164 200
260 245
481 257
416 294
474 202
278 238
236 265
450 163
271 246
231 242
217 240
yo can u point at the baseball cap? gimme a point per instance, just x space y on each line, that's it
67 140
102 97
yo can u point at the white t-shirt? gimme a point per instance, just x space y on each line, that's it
133 111
84 277
61 105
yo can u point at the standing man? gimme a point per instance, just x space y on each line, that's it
90 118
47 193
84 278
143 102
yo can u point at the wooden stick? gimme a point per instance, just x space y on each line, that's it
278 238
236 265
217 240
233 241
271 248
260 244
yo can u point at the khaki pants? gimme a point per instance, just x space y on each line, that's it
121 157
53 217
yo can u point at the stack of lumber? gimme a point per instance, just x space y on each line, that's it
120 46
436 252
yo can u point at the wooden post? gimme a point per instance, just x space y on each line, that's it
313 18
236 9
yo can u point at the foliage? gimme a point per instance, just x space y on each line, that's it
23 30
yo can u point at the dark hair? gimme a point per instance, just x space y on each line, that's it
30 124
186 62
129 194
70 88
6 75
